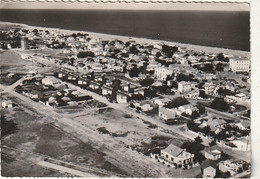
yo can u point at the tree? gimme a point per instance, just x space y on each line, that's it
198 140
208 67
133 50
194 115
219 67
225 91
219 104
116 84
147 81
212 143
201 109
220 57
150 93
7 127
179 101
137 97
195 147
183 77
168 50
131 105
85 54
134 72
206 130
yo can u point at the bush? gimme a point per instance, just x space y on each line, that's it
219 104
103 130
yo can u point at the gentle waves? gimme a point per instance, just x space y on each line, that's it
209 28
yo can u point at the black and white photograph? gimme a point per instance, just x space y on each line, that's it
125 89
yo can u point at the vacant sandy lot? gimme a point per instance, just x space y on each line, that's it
35 133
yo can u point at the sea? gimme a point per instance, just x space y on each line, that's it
223 29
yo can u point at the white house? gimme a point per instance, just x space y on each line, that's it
239 64
49 82
166 113
187 108
177 156
162 101
212 153
122 97
106 90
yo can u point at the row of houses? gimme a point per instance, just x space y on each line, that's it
103 85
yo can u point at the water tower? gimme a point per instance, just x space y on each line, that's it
24 43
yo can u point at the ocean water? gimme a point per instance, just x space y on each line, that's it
209 28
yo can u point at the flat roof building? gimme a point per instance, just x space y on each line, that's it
239 64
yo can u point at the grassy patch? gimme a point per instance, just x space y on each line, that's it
128 116
95 104
104 110
103 130
150 125
7 127
176 121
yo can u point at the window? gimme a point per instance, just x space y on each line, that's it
172 159
166 156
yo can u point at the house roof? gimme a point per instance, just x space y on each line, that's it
244 123
213 150
167 111
157 83
184 83
214 123
186 106
208 163
173 150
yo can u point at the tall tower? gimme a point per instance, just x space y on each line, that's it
24 43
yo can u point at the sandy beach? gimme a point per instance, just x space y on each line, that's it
102 36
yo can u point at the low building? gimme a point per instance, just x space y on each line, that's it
166 113
82 81
208 169
188 109
122 97
194 94
50 82
106 90
162 101
239 64
212 153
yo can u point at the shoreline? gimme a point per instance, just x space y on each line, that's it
141 40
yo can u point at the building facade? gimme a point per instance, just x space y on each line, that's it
239 65
24 43
176 156
161 73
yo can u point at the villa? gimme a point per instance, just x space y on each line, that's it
177 157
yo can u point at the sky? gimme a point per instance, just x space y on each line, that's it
128 6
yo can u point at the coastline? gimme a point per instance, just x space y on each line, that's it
141 40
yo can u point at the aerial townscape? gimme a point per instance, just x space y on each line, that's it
79 104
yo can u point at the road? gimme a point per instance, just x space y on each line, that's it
227 116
